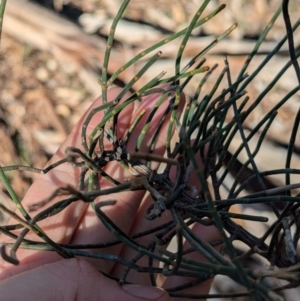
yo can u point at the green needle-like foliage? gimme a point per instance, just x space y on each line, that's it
204 131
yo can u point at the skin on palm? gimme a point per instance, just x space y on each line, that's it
78 224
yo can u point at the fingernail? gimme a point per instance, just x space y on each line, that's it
147 292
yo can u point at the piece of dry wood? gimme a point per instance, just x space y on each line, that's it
44 30
38 27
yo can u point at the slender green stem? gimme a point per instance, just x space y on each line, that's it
2 9
163 42
110 39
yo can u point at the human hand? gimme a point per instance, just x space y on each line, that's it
43 273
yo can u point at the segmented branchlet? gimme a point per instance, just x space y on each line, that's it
120 154
203 131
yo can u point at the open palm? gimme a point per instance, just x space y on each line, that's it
45 274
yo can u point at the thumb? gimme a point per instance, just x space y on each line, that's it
73 279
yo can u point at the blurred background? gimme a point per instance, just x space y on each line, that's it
51 56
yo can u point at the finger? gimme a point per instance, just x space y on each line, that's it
206 233
141 224
60 227
73 279
66 173
209 234
124 211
